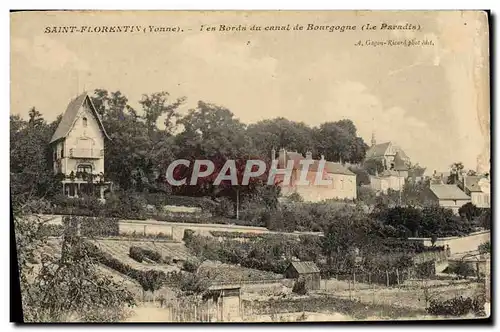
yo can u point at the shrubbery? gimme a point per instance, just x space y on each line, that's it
118 205
190 266
139 254
149 280
458 306
92 226
484 248
299 287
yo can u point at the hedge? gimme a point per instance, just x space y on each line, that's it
92 226
139 254
458 306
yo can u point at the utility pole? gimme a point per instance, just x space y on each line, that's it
237 204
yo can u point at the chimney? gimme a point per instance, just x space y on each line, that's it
309 155
273 154
322 157
282 157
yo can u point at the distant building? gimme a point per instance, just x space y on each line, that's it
387 180
477 187
389 154
449 196
78 149
440 177
416 174
307 271
342 180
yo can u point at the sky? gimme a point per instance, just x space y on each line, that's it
431 101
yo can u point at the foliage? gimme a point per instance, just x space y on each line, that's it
362 175
339 142
136 254
31 169
456 170
190 266
458 306
66 287
192 284
299 287
366 195
469 211
373 166
485 219
462 269
485 247
429 221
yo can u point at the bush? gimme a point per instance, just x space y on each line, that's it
484 248
458 306
136 254
299 287
190 266
51 230
462 270
139 254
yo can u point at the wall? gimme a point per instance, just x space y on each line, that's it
480 199
458 244
454 205
95 140
342 187
384 183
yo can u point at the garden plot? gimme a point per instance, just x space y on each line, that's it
120 250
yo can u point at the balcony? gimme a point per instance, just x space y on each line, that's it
86 153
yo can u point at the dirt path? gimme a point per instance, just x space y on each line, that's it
148 313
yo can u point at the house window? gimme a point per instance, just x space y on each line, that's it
84 120
84 168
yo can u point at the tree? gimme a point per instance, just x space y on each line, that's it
156 105
31 168
66 286
347 229
469 211
455 172
138 150
373 166
211 131
338 142
281 133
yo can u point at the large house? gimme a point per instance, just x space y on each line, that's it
391 156
342 181
78 149
449 196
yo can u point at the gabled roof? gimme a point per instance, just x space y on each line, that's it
448 191
399 164
70 114
337 168
377 150
305 267
472 183
390 172
330 167
402 154
414 172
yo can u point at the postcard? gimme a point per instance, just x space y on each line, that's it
250 166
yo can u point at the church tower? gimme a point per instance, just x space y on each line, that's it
374 142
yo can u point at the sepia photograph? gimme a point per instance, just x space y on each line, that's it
250 166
